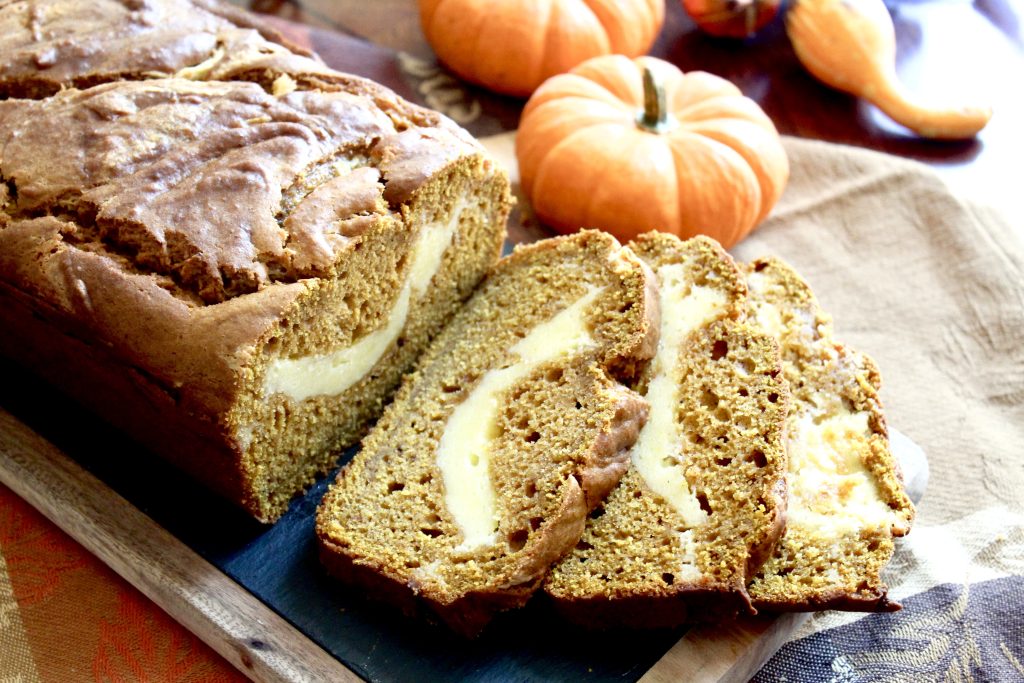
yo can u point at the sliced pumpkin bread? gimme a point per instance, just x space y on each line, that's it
703 501
846 496
481 473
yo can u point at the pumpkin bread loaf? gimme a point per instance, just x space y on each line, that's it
703 501
236 274
481 473
846 497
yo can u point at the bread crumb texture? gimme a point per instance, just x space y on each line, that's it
653 555
556 446
846 497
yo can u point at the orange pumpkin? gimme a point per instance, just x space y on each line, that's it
731 18
512 46
607 146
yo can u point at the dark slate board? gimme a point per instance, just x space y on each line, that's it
279 565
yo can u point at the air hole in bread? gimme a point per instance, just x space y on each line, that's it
412 564
395 486
743 422
530 489
723 414
426 479
743 392
760 266
747 366
583 545
554 374
533 437
597 512
702 500
433 533
710 400
668 578
535 522
449 388
773 397
720 348
579 405
517 539
723 462
758 457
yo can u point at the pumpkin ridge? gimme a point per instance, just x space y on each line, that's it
724 106
550 116
620 83
552 91
607 21
481 46
551 160
736 227
770 191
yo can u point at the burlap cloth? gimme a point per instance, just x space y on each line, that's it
931 286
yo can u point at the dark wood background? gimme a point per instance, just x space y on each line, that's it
947 50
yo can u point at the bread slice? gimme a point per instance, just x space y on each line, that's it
703 502
480 475
846 497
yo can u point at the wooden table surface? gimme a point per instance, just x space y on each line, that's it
947 49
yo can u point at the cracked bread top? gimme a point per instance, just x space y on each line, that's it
51 44
220 185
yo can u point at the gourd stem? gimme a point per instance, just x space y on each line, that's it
750 17
654 117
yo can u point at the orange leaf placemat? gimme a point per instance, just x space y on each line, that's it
64 615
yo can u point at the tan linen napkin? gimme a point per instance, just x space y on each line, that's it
932 287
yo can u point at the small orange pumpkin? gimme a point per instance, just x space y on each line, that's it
512 46
607 146
731 18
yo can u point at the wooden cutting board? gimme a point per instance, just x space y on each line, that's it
257 595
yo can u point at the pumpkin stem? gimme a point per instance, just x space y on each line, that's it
654 117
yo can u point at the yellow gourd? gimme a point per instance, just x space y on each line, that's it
851 46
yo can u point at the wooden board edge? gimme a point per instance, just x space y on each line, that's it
724 653
247 633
